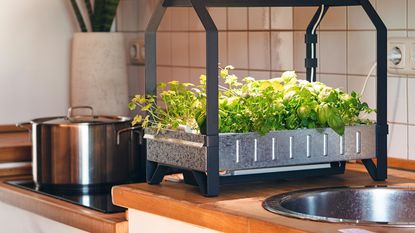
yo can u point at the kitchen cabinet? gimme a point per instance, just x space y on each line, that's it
13 219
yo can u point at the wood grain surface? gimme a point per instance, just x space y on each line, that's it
238 207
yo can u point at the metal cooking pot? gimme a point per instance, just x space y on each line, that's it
86 150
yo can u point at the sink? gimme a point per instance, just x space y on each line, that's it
385 205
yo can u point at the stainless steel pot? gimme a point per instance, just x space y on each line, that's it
86 150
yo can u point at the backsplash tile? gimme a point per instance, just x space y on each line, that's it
258 18
263 42
357 19
282 51
281 18
164 45
337 81
302 17
411 14
361 52
259 50
398 141
238 49
180 48
397 100
393 13
411 140
411 101
333 52
237 18
335 19
197 49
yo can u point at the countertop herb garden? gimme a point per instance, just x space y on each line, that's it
252 105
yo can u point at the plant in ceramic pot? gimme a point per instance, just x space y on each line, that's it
99 64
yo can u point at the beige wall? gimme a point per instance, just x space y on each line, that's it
263 42
34 58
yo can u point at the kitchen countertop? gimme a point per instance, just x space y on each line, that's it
238 207
61 211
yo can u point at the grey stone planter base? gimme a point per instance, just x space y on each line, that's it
239 151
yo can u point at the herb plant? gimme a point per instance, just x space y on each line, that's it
252 105
101 14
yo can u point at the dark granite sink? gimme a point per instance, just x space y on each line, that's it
393 206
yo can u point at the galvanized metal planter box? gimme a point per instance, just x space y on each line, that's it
239 151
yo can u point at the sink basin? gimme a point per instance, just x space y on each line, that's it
394 206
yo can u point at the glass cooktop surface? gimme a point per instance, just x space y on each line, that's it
101 201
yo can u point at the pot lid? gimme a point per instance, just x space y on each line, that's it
99 119
71 119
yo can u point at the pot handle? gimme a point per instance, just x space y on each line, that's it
119 132
25 125
70 109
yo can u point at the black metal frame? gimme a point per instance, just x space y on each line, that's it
209 182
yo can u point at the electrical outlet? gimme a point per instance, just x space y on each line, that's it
401 55
137 52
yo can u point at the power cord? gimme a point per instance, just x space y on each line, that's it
367 78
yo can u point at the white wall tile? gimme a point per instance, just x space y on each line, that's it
397 100
127 16
164 74
411 33
355 83
223 48
194 22
282 54
336 81
400 33
361 52
303 76
180 48
260 74
303 16
281 18
411 142
238 49
136 84
358 19
258 18
164 48
180 74
197 49
194 75
411 14
335 19
299 51
165 24
411 101
393 13
219 16
179 18
259 50
237 18
398 141
332 52
136 80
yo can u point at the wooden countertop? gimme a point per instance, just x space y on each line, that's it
238 207
61 211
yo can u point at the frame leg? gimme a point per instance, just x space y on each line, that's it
156 172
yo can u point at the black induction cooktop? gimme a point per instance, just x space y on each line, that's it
100 201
